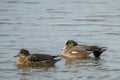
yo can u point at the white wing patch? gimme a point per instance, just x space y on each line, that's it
75 52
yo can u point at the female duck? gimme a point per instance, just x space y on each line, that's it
73 50
35 60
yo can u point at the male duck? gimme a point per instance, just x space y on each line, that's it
73 50
35 60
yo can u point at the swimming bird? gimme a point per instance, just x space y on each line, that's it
35 60
73 50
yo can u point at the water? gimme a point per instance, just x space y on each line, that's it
42 26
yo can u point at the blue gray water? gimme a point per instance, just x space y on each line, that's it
42 26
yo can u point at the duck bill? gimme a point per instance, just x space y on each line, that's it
16 56
63 48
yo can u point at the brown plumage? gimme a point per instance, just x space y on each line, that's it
73 50
35 60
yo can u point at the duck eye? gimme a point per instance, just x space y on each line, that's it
67 43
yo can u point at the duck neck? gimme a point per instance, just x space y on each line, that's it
20 60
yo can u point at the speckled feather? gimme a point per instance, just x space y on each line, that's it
40 57
35 60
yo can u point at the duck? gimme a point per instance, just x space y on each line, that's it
35 60
73 50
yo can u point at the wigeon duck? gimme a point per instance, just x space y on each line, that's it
73 50
35 60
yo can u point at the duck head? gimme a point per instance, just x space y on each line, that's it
23 53
70 44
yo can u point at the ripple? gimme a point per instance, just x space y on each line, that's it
90 20
53 17
5 19
6 23
5 35
14 1
112 33
90 2
108 69
31 2
67 24
58 11
103 16
8 35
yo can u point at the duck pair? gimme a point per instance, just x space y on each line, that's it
71 50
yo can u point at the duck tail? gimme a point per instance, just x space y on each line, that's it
56 56
52 62
56 60
97 52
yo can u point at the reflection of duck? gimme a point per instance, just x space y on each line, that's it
73 50
35 60
82 62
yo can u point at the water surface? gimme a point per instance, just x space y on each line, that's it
42 26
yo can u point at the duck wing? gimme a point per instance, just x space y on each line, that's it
89 48
77 50
40 57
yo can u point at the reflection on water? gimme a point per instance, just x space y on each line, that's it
72 67
43 27
83 62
